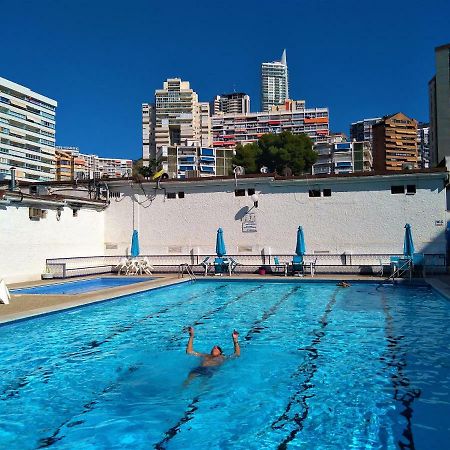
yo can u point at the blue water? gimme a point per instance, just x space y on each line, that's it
322 367
80 286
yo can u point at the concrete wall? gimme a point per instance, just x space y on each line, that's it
361 216
25 244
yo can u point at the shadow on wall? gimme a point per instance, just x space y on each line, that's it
241 213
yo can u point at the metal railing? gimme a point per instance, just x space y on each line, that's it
325 263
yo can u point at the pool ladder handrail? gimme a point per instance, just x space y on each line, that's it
401 269
189 271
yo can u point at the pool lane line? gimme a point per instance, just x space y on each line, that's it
56 436
212 312
189 412
396 358
88 349
310 367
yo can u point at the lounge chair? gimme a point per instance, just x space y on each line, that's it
123 265
232 264
205 265
5 296
297 265
279 267
146 266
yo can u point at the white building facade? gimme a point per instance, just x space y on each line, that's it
27 133
235 103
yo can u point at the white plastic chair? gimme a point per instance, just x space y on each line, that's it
146 266
123 265
5 296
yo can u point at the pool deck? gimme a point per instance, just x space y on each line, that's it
26 305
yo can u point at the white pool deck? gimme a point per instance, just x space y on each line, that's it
26 305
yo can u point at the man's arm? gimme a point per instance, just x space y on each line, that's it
190 344
237 349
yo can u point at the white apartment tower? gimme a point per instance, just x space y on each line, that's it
176 117
27 133
274 83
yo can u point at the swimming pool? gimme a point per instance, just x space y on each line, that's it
321 367
80 286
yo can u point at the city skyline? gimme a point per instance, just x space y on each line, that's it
95 69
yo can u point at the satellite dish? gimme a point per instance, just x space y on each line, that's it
239 170
264 169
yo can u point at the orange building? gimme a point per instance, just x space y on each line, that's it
395 143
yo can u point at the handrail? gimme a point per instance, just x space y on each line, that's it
189 271
399 270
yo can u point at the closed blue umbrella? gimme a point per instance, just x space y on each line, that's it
220 244
135 244
300 249
408 244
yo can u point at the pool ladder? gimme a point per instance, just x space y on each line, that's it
407 266
188 269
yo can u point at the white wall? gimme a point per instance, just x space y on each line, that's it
26 244
361 216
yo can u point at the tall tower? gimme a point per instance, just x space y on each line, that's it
274 83
439 95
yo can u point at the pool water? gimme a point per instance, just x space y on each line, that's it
321 367
80 286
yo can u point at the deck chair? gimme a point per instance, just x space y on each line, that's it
146 267
205 265
279 267
123 266
297 265
5 296
232 264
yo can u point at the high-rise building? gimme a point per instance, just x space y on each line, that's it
235 103
176 117
27 133
423 144
362 130
439 94
395 143
274 83
231 129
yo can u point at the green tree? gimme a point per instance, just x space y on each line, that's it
284 153
146 171
247 156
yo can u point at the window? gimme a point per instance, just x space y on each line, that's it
410 189
314 192
180 194
250 191
327 192
397 189
171 195
239 193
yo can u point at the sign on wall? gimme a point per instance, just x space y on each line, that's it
249 223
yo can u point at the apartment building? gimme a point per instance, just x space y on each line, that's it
235 103
362 129
175 118
439 98
274 83
228 130
343 157
423 145
395 143
27 133
73 165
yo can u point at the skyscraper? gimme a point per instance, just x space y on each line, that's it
274 83
439 94
362 130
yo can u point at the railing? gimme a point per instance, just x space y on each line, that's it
325 263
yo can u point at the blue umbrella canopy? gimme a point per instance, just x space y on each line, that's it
220 244
135 244
300 249
408 244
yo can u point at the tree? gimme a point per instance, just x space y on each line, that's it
283 153
145 171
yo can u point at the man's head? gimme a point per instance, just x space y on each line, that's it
216 351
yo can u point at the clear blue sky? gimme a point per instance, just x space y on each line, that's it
101 59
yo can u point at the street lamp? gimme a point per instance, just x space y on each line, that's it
255 198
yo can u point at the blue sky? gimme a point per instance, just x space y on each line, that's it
102 59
